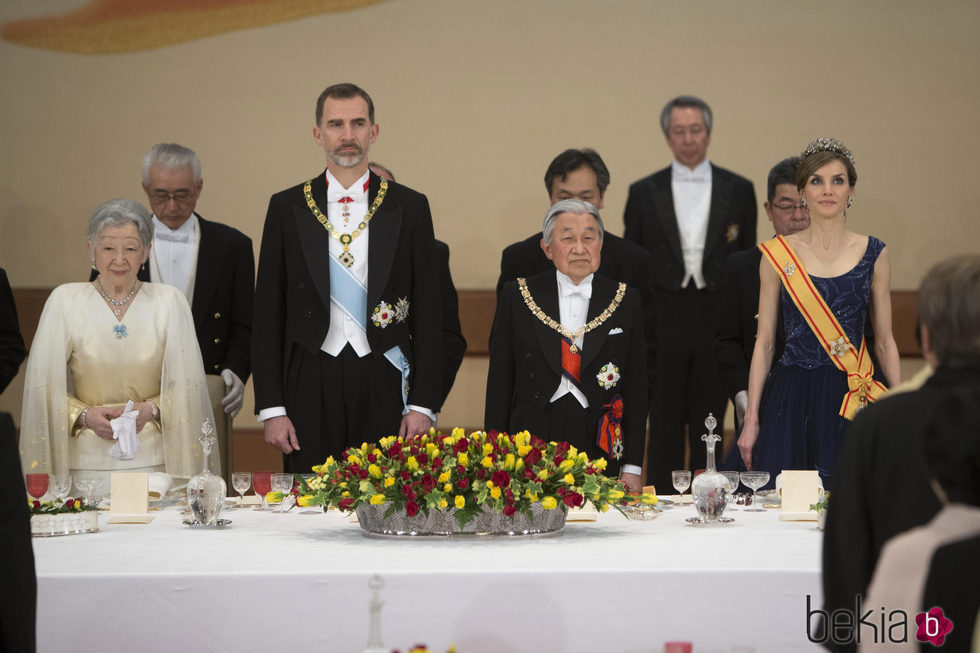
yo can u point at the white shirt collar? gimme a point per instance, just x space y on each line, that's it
568 287
356 191
182 234
680 172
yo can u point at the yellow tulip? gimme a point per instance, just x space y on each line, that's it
458 433
459 501
569 479
616 495
354 459
487 449
443 477
389 481
487 462
543 474
447 487
495 492
305 501
549 503
649 499
566 465
509 462
599 464
463 459
523 450
519 465
374 471
443 503
377 499
412 464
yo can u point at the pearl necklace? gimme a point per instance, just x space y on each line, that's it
117 310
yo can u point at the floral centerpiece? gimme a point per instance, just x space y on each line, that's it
465 477
66 517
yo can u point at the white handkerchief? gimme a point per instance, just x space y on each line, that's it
613 332
124 433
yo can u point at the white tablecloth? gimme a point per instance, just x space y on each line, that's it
272 581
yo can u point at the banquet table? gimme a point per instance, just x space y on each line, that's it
300 581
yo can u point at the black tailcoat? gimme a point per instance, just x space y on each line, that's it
525 363
292 307
687 385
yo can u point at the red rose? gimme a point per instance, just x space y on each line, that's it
372 458
460 469
538 443
436 462
590 470
463 483
532 457
509 510
423 458
481 474
562 447
428 482
363 474
36 504
405 475
528 474
509 494
500 478
346 503
461 446
572 499
69 503
411 508
408 492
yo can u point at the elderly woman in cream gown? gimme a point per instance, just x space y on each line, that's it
101 344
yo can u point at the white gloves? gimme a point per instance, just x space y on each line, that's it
235 393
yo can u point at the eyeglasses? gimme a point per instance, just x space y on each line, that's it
789 207
179 196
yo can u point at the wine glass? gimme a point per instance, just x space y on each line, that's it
733 483
753 481
60 486
37 485
87 488
262 484
681 478
282 483
241 481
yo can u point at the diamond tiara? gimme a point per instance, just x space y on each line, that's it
827 145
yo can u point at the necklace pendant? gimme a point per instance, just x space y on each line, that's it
573 349
120 330
347 259
117 311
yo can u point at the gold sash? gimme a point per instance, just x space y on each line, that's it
856 363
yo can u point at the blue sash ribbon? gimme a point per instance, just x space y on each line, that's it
349 293
397 358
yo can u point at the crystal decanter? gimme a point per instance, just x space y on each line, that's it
206 492
710 489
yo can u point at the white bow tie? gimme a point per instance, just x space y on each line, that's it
173 236
687 175
567 289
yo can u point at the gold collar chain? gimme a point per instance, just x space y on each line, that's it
557 326
345 238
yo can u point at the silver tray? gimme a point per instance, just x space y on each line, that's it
217 525
700 523
60 533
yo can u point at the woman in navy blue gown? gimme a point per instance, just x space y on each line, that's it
793 419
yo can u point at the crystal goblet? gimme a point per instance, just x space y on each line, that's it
681 478
282 483
60 486
753 481
732 478
241 481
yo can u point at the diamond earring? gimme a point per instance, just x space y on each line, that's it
803 202
850 201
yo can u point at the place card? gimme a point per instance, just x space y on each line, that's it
799 489
128 496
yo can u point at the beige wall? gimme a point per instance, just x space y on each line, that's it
474 99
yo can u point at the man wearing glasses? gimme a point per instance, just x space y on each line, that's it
214 266
739 310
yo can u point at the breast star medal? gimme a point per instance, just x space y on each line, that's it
382 315
731 235
348 237
401 310
608 376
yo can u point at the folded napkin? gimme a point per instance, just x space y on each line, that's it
124 433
